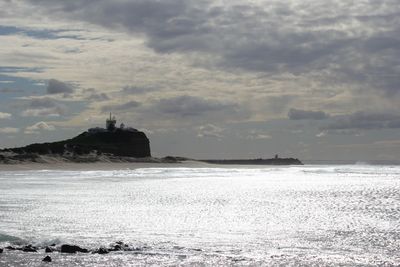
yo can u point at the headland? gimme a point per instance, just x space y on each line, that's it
110 145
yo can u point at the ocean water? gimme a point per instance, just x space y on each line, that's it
229 216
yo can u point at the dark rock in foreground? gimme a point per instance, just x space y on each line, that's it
29 248
1 250
47 259
48 250
72 249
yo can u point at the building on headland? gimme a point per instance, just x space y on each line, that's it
111 123
111 141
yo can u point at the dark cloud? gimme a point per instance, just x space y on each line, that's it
192 106
136 90
42 103
364 120
279 104
98 97
298 114
121 107
360 46
44 107
57 87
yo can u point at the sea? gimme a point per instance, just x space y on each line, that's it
311 215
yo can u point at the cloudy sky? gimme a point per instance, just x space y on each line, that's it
207 79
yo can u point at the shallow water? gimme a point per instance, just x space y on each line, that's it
274 216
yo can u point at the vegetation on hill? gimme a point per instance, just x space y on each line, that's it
118 143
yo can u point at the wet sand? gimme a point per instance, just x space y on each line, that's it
100 166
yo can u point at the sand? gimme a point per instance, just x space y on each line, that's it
99 166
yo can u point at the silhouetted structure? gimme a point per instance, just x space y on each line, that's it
121 141
110 123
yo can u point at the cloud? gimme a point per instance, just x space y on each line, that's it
39 126
58 87
299 114
98 97
210 130
44 107
353 132
121 107
258 136
95 95
5 115
187 106
256 36
136 90
9 130
10 90
364 120
255 134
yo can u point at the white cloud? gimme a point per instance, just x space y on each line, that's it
50 112
40 126
210 130
5 115
262 136
9 130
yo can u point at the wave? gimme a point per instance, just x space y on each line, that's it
6 239
10 238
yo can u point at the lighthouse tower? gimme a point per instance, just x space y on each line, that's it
110 123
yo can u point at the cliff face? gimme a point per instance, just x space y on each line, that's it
117 143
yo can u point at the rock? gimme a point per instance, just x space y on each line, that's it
1 250
29 248
10 248
53 245
118 143
116 248
47 259
48 250
133 249
101 251
72 249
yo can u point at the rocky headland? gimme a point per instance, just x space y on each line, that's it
110 145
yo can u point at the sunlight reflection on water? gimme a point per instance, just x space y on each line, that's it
322 215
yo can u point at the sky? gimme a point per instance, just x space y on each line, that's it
313 79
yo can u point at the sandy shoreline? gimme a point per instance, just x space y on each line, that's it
100 166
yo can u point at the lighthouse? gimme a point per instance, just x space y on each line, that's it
110 123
